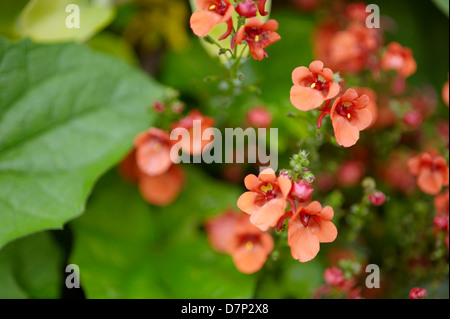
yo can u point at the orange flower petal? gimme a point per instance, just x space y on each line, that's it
327 213
430 182
362 118
153 158
271 25
268 215
326 231
306 98
414 165
252 182
285 185
334 90
246 202
316 66
346 134
220 229
301 74
304 245
268 176
249 261
313 208
162 190
203 21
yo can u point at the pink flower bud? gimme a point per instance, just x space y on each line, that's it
441 222
247 9
259 117
413 118
377 198
334 276
159 106
417 293
302 191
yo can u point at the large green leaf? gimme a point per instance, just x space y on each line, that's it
45 20
67 114
31 267
128 249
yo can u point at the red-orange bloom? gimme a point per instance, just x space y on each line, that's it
259 36
163 189
160 190
211 13
310 226
196 144
266 199
351 50
432 172
349 115
399 59
249 246
312 86
153 151
233 233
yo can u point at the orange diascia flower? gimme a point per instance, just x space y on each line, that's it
211 13
266 199
234 234
432 172
310 226
163 189
259 36
312 86
146 165
153 151
349 115
197 125
350 50
400 59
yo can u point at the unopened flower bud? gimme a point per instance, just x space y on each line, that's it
417 293
159 107
333 276
377 198
247 9
259 117
302 191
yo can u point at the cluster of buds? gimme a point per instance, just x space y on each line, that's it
341 281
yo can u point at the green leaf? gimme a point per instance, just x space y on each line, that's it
45 20
67 115
128 249
31 267
443 5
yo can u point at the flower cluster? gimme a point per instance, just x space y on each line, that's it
316 87
250 30
268 197
150 165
